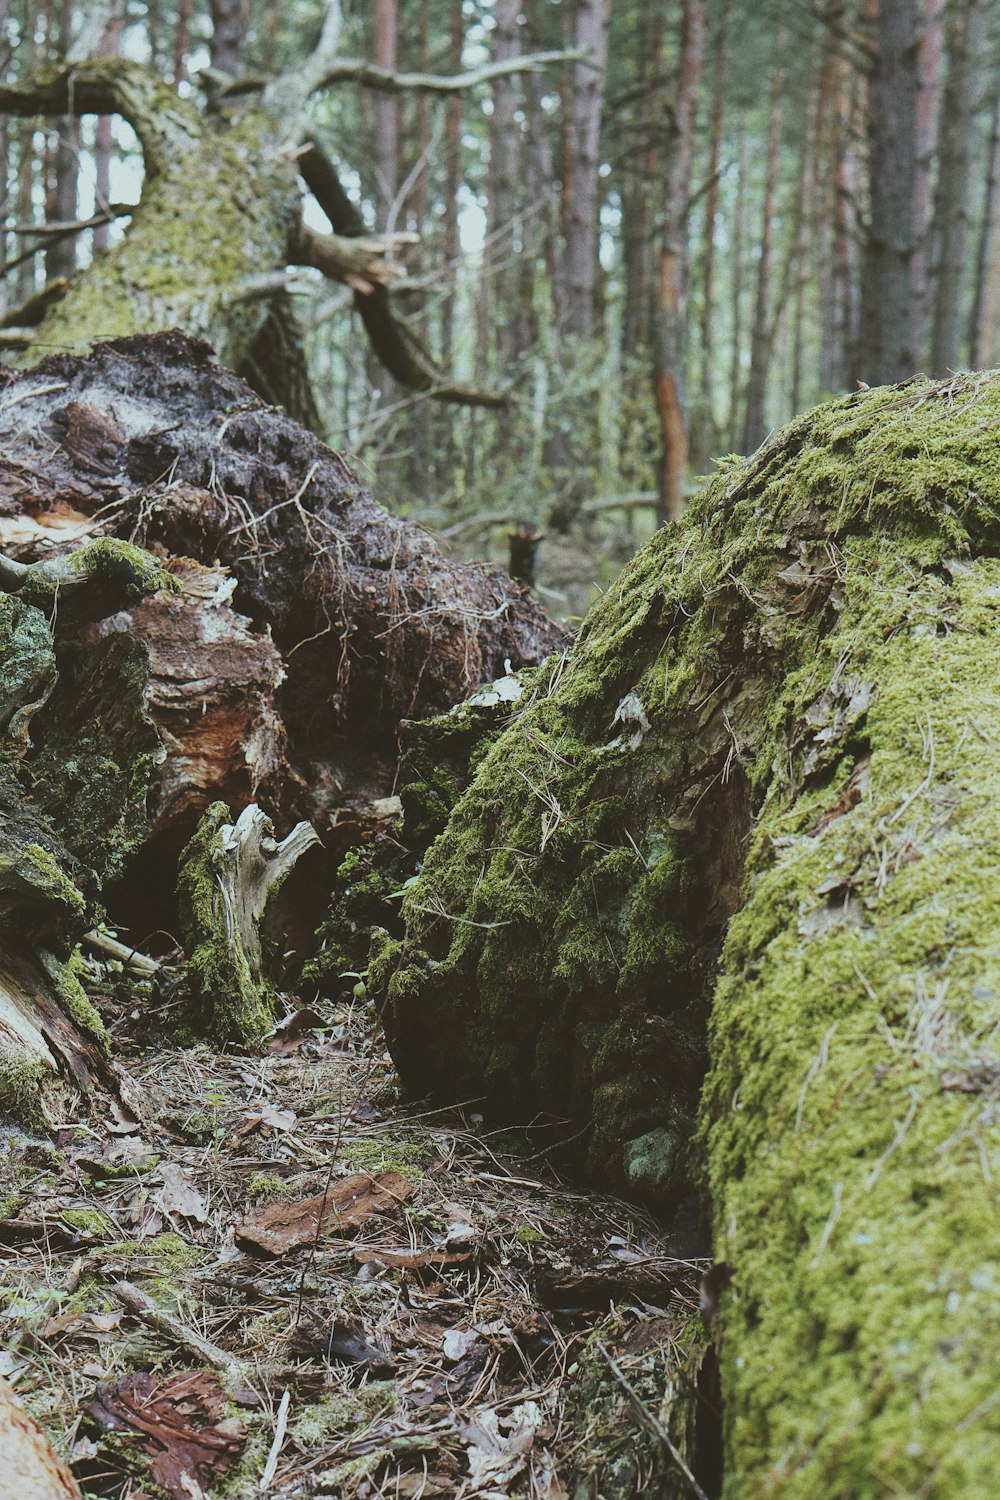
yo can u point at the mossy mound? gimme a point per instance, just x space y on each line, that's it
785 709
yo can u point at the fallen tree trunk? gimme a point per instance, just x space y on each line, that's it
734 865
282 677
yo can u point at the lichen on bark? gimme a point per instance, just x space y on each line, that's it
779 728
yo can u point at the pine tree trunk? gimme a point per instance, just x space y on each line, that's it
966 38
670 311
581 184
705 428
984 328
888 349
755 424
928 111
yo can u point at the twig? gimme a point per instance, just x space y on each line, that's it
280 1424
651 1423
136 1301
130 957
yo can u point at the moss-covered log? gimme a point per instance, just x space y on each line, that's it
735 861
77 750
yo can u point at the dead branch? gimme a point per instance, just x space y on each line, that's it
357 70
395 344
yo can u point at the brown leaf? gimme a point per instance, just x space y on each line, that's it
290 1034
179 1416
282 1227
178 1195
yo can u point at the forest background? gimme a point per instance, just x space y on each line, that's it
719 214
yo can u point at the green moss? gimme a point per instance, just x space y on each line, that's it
813 653
90 1221
267 1187
97 579
74 1000
344 1415
21 1079
378 1153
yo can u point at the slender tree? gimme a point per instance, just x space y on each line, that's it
966 38
888 347
984 323
669 318
755 423
581 189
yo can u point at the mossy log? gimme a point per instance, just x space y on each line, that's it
228 874
722 896
77 750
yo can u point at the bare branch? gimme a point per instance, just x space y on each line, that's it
356 70
361 262
394 343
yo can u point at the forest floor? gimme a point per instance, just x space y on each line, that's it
287 1283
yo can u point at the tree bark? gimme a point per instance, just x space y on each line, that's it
755 424
582 187
966 38
888 351
705 435
670 311
386 18
772 738
229 36
927 116
984 323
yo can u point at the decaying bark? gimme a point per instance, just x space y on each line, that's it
32 1470
228 874
722 894
296 625
282 674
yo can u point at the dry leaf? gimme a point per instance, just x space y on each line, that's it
457 1342
178 1195
282 1227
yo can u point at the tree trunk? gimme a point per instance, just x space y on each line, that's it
104 140
501 280
705 433
229 36
64 167
772 737
927 115
755 424
453 177
966 38
386 15
582 186
984 323
670 312
888 351
641 172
